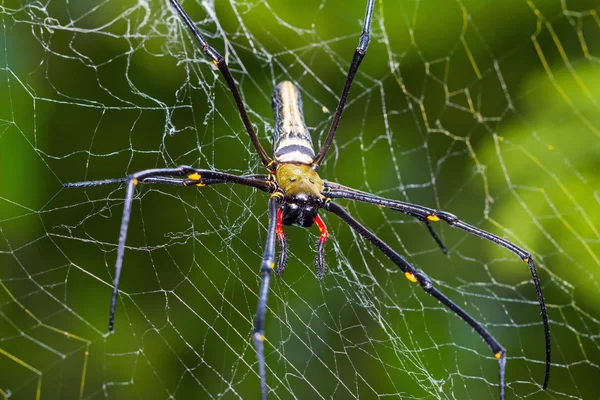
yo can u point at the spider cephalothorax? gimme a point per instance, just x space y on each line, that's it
297 193
302 198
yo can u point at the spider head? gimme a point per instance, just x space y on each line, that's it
300 209
302 189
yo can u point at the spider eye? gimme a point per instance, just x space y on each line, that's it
294 179
311 180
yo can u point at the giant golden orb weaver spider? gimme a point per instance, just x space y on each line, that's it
297 193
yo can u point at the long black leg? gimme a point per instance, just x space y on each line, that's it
266 269
121 251
101 182
359 54
435 237
193 176
332 186
220 63
336 191
414 275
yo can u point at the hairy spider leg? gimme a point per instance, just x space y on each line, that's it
334 186
337 191
359 54
196 177
434 235
283 250
414 275
266 269
222 65
320 260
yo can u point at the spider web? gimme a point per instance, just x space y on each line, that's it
489 110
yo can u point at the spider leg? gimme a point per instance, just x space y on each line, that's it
336 191
96 183
266 269
247 180
435 237
219 61
359 54
431 232
121 251
337 186
320 260
414 275
283 253
193 176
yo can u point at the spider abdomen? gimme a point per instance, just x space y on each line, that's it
291 139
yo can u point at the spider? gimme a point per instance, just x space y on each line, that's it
297 193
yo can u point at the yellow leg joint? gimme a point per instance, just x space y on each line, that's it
526 259
135 182
195 176
262 338
498 355
411 277
273 265
433 218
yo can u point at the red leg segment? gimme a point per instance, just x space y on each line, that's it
320 260
282 244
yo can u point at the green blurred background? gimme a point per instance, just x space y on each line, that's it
489 110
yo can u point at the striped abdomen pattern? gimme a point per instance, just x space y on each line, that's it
291 139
